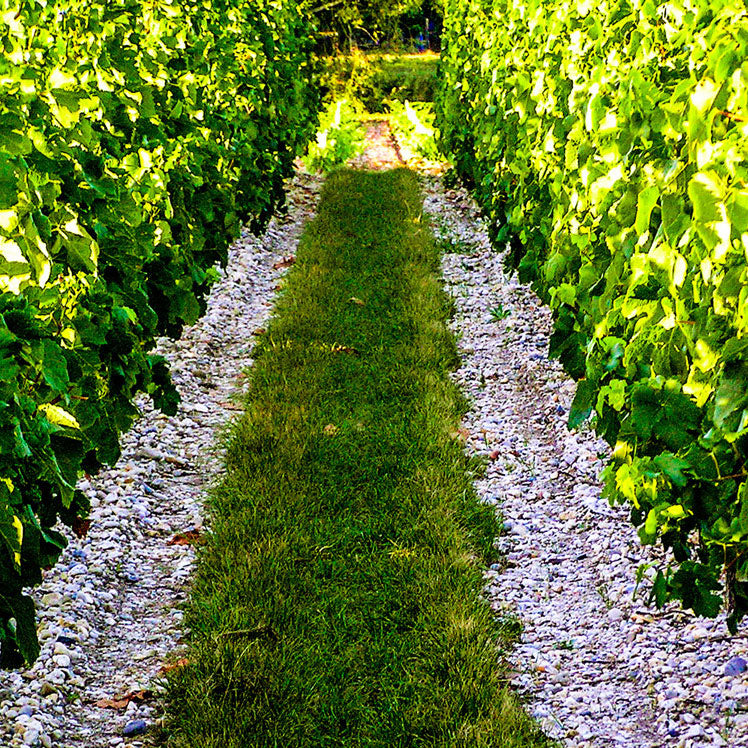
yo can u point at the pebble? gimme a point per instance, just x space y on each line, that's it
136 727
736 666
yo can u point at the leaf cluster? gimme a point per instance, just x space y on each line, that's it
606 142
135 138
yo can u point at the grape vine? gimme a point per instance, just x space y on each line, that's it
606 143
135 137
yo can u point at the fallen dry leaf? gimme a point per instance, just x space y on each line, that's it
494 455
259 331
461 434
330 430
355 300
112 703
81 527
286 262
183 662
178 461
232 406
121 702
185 538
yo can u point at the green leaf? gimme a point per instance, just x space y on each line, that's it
645 411
725 65
737 210
8 369
645 202
21 447
673 466
54 366
8 183
674 219
732 284
735 348
705 191
659 590
24 614
743 504
82 251
11 533
650 526
583 403
732 394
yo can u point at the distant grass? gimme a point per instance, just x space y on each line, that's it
336 601
374 78
411 77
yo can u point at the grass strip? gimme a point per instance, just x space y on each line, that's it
337 597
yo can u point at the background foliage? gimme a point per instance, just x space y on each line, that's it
339 138
365 86
135 137
373 21
607 142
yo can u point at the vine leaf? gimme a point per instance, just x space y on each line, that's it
673 466
732 394
26 639
583 403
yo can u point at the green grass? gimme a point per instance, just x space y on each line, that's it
411 77
373 78
336 601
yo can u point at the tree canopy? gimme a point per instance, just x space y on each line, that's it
378 20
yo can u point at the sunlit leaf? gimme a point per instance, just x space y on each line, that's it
59 416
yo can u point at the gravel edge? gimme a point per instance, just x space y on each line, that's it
109 612
597 666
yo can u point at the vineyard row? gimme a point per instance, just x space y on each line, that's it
136 136
607 144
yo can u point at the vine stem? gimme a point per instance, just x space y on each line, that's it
734 476
730 115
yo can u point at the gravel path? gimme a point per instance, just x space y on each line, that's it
109 612
597 666
382 151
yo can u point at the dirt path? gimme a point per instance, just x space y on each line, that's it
382 150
